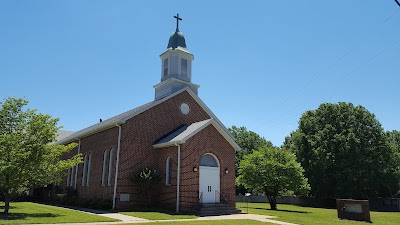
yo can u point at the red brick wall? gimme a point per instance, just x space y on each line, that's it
209 140
97 144
137 152
142 131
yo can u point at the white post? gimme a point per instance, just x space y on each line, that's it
116 166
178 177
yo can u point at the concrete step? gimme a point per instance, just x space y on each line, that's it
216 209
218 212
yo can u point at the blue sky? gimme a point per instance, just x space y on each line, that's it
259 64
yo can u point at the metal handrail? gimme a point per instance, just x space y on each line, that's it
226 200
221 195
201 197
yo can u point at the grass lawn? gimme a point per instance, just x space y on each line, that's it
211 222
159 215
315 216
27 212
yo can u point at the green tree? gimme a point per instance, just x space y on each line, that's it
27 157
394 140
273 171
248 142
344 152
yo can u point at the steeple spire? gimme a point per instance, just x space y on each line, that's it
177 21
176 69
177 40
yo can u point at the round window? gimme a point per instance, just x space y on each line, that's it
185 109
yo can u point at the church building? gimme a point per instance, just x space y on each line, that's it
176 135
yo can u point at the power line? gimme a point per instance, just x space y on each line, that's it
398 3
390 17
324 91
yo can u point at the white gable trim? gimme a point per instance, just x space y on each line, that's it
217 126
149 106
171 80
209 112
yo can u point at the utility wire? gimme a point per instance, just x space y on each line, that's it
263 128
261 123
390 17
398 3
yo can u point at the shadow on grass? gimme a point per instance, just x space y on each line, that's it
11 207
21 216
279 210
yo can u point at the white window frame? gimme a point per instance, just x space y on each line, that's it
105 164
110 167
71 183
88 169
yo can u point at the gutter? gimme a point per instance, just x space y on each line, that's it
178 177
117 165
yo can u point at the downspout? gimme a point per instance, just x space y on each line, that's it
76 169
178 177
116 166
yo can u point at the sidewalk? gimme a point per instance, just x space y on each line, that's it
130 219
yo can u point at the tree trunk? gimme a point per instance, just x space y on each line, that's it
7 200
272 202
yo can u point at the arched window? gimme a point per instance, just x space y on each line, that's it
168 171
209 160
105 170
110 167
84 170
71 183
88 169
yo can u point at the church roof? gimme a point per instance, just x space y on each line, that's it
111 122
182 134
61 134
121 118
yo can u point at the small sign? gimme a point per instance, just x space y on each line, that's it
353 209
124 197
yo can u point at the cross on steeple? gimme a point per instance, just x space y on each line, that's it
177 21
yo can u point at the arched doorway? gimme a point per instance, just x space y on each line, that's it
209 180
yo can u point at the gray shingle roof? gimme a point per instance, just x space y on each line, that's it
61 134
102 125
121 118
183 133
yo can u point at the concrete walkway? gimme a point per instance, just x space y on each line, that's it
131 219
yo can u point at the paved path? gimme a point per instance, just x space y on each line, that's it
130 219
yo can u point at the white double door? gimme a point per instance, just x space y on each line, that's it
209 184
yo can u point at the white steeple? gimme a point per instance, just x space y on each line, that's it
176 66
